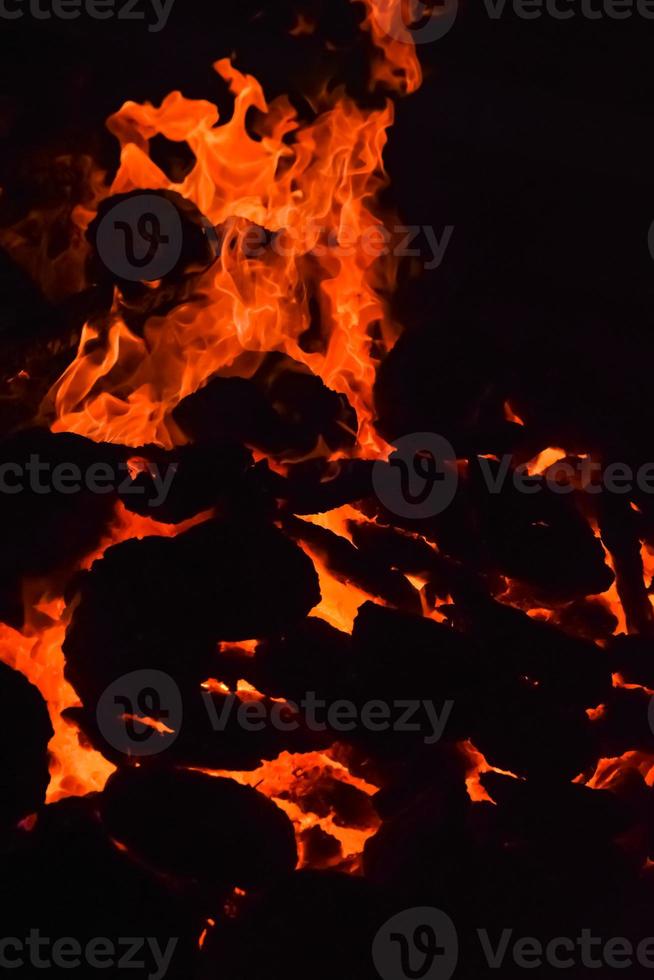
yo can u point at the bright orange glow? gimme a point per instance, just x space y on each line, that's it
478 765
609 769
37 652
74 770
595 714
538 465
313 187
289 777
396 65
511 416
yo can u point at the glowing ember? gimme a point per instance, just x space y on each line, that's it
75 768
477 766
540 463
290 777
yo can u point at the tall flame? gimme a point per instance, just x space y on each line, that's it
312 186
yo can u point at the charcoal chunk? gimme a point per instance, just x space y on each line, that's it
171 487
164 603
25 731
51 515
317 924
523 729
516 645
282 410
312 656
193 825
66 878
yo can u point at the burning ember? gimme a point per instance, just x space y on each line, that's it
300 626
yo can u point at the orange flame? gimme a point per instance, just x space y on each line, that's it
312 186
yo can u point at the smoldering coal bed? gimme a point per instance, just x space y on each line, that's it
326 641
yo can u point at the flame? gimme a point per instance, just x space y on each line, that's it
313 187
74 769
396 64
340 600
512 416
609 769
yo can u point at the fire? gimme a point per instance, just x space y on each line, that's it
396 64
340 600
75 768
549 456
477 766
312 186
289 777
607 770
